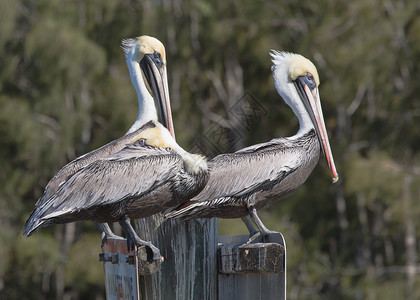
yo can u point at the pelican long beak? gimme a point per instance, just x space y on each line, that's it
154 70
312 102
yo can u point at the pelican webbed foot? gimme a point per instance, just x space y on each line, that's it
261 237
133 239
253 233
255 238
263 233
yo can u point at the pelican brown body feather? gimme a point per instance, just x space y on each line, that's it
137 181
75 165
255 176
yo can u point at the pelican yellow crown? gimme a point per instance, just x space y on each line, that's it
148 45
300 66
136 48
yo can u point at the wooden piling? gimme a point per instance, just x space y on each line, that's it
195 267
189 248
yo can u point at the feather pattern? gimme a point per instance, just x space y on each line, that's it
72 167
256 175
136 181
128 44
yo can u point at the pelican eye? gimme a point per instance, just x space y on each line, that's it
309 80
157 58
310 76
140 142
156 54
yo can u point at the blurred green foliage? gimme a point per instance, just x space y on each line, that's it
65 90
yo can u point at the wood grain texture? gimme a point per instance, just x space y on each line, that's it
189 248
254 269
250 258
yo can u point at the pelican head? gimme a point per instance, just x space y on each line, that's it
146 55
296 80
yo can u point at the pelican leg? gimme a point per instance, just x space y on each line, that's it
254 216
106 232
249 226
133 238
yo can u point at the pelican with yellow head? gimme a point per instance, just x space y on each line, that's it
138 175
256 176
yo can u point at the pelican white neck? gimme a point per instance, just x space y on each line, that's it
287 90
147 109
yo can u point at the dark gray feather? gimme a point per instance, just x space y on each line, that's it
261 173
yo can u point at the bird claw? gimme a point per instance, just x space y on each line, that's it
260 237
133 240
153 253
255 238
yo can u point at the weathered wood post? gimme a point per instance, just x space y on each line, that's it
195 267
252 271
189 248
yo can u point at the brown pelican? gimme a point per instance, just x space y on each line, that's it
137 175
252 178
